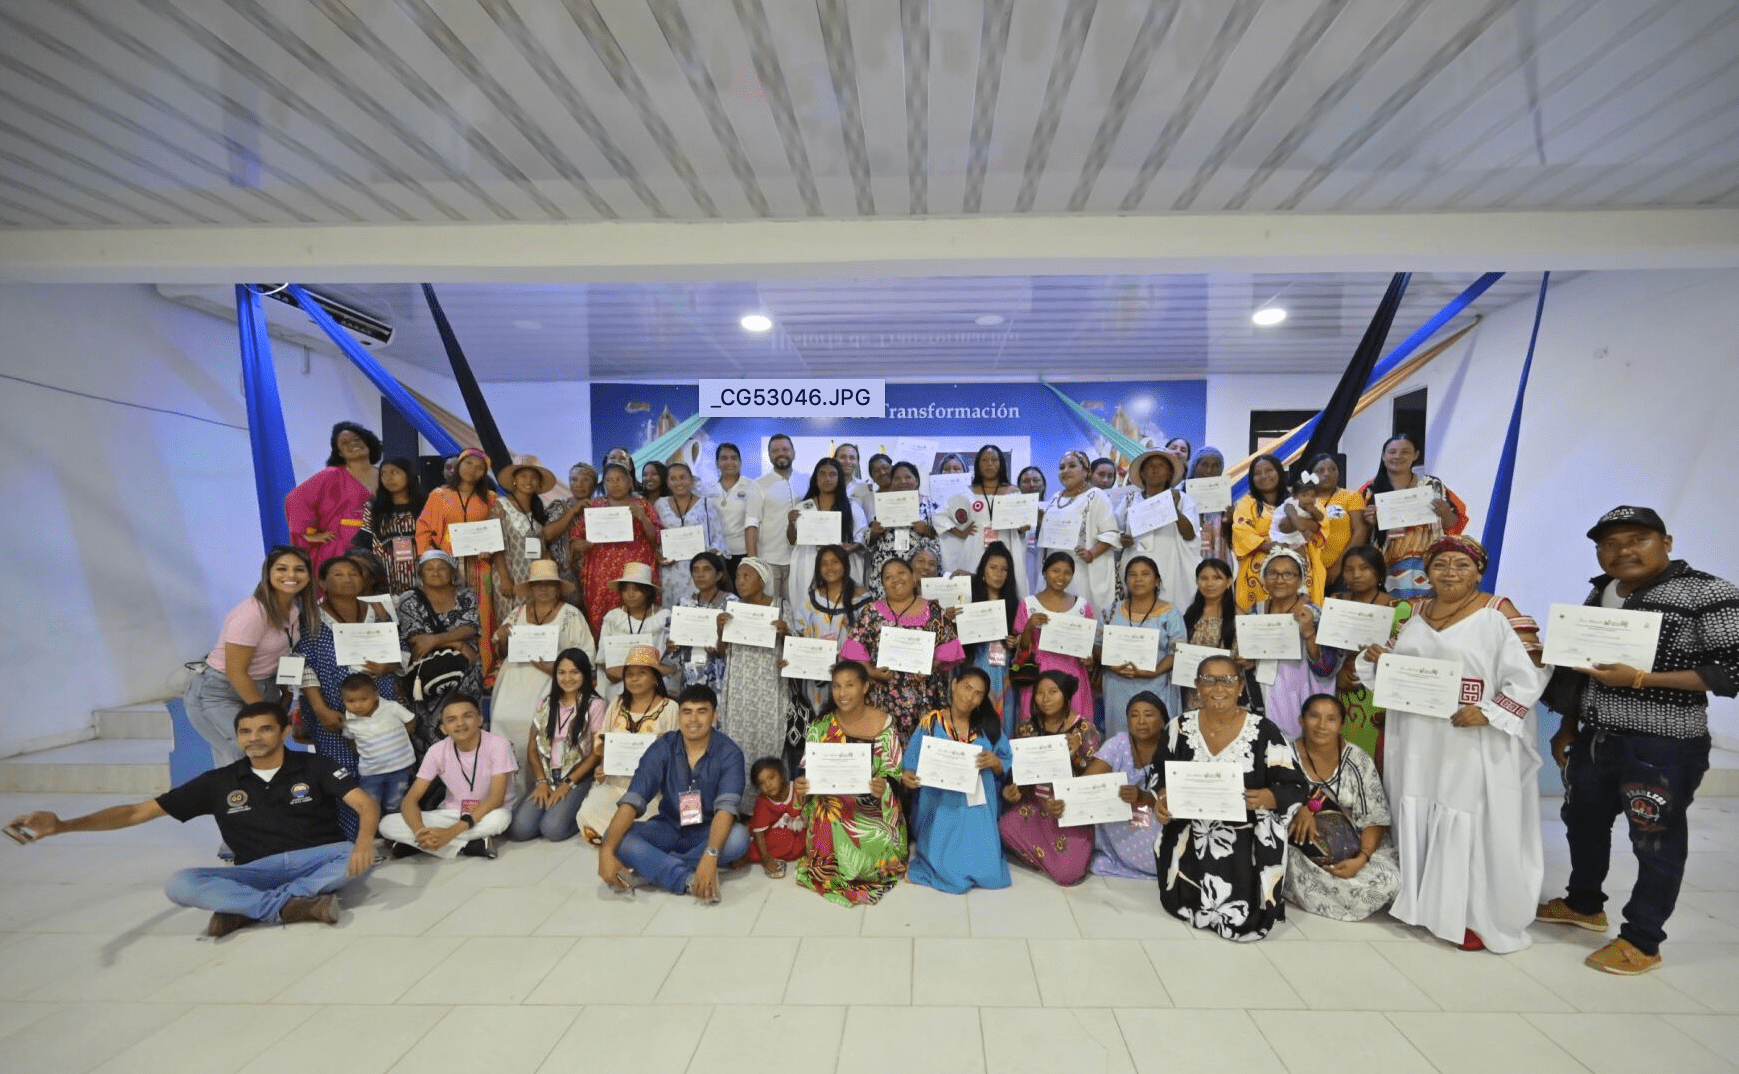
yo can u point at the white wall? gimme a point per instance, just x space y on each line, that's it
133 530
1231 398
551 420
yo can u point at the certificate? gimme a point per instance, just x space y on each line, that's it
1210 493
1147 515
1041 759
1204 790
1061 529
1013 512
623 750
613 648
1417 685
698 627
1121 645
917 451
811 659
1579 637
948 486
1189 660
818 527
1093 799
837 767
752 624
529 642
895 509
985 620
365 643
476 538
385 603
948 592
679 544
1349 625
1068 634
903 649
1407 507
949 766
609 525
1269 637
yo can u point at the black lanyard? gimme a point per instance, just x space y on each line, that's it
476 759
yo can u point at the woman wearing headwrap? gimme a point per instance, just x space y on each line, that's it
1213 527
1462 790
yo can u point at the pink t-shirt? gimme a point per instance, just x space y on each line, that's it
466 775
246 624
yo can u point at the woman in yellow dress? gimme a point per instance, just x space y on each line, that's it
1251 517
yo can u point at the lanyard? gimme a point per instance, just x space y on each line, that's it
476 759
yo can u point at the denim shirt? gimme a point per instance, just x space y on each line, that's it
664 771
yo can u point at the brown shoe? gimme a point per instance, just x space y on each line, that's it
222 924
1622 957
1558 912
323 908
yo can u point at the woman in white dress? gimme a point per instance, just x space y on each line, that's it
1085 515
639 621
1173 547
520 685
1031 559
683 506
1463 791
989 485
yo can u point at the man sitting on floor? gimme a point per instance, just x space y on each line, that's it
697 775
276 808
476 767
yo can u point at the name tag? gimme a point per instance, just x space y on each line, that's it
290 670
533 548
688 809
404 551
466 805
998 654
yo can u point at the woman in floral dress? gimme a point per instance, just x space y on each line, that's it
1031 827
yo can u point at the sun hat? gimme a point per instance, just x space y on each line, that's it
546 479
544 570
638 573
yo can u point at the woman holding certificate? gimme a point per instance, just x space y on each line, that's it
1404 546
1080 522
1142 609
325 512
1030 826
526 526
829 610
1214 527
1216 872
1288 681
1363 571
1342 863
1036 612
957 846
438 626
885 542
1461 760
755 706
1252 518
703 666
1170 545
1031 482
904 693
520 684
644 707
855 848
601 563
389 523
685 509
468 497
637 621
994 581
989 484
1126 849
826 492
1343 516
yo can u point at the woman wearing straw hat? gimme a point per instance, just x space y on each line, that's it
522 686
638 621
644 707
523 516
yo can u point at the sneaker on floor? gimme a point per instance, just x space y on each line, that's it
1622 957
321 908
1558 912
222 924
403 850
486 847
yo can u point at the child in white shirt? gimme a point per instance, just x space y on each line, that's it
383 743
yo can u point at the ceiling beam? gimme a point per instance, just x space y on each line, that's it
772 250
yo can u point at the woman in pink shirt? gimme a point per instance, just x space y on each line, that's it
325 511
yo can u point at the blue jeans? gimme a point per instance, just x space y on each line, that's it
667 854
388 788
1651 779
211 707
259 889
558 822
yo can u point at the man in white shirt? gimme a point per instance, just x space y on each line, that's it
778 500
859 488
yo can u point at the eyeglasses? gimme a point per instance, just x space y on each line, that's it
1283 576
1217 680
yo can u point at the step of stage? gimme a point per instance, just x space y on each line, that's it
148 719
101 766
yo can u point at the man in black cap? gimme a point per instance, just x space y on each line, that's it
1636 740
276 808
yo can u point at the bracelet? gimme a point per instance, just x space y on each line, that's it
1636 683
540 781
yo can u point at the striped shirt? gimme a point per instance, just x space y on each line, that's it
382 744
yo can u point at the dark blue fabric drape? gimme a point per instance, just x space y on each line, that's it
1497 517
273 475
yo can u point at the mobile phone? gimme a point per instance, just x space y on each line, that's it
19 834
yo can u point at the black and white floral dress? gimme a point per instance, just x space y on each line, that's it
1229 876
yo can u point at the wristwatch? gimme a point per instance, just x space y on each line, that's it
470 821
712 852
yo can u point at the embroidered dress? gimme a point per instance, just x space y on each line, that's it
824 620
516 526
1355 789
1404 549
1039 839
392 539
678 583
856 847
331 501
1125 849
324 670
907 696
1361 727
1226 876
1167 621
603 563
418 616
1082 702
599 807
1251 520
444 508
901 543
1175 557
1094 520
1295 680
652 629
956 847
754 709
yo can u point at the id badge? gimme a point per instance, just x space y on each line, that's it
533 548
466 805
688 809
290 670
998 655
404 551
1142 818
697 655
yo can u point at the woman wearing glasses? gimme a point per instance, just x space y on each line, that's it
1286 577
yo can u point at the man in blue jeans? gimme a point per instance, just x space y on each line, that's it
697 775
1635 740
276 808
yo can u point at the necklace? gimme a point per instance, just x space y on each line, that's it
1316 765
333 611
1439 621
1151 605
532 613
907 610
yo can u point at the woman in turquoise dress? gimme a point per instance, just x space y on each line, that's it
1141 607
995 580
957 846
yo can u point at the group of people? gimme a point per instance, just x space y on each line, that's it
1347 809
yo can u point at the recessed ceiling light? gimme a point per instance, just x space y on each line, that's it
529 326
756 322
988 320
1268 315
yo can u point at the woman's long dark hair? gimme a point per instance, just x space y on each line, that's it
841 501
382 504
848 587
981 591
854 668
588 694
1279 486
485 484
985 721
663 473
333 458
1065 682
1382 482
535 509
1228 604
1001 469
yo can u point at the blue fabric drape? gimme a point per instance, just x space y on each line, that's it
413 412
273 475
1497 517
475 404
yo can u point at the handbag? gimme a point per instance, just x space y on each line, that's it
1024 669
1337 839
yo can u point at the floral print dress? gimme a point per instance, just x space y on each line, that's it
1039 839
1228 876
907 696
856 847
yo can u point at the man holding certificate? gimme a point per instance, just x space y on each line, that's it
1461 771
1635 738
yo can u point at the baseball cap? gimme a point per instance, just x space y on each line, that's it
1626 515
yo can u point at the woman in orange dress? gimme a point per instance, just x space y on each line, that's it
599 565
1252 515
468 497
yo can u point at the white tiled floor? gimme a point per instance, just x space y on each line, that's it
525 964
